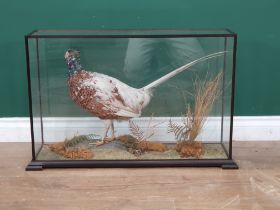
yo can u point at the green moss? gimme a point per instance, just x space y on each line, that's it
75 140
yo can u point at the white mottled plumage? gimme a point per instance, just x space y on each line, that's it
134 100
110 98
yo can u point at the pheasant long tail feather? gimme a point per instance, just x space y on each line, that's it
180 69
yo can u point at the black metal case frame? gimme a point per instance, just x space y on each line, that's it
34 164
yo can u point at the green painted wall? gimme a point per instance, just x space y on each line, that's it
256 22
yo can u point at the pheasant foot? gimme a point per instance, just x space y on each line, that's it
105 141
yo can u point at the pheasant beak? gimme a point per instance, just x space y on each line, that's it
66 56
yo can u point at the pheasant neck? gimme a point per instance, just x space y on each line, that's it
74 67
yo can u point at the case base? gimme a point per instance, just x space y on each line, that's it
40 165
34 166
230 166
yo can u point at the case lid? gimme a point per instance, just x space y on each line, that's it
130 33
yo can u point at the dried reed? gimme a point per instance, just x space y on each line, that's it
206 92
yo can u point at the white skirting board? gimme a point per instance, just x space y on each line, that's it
253 128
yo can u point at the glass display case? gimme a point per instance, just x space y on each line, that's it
131 98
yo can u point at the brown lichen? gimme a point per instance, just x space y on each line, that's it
58 148
190 149
76 153
151 146
134 145
124 138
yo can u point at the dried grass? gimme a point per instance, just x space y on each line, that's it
206 93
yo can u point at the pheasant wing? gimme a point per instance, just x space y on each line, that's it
110 98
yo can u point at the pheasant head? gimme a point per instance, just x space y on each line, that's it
72 59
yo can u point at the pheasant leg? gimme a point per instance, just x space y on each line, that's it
108 124
113 130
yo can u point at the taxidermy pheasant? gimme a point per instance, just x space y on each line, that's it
108 98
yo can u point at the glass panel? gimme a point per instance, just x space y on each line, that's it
36 94
110 79
227 93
